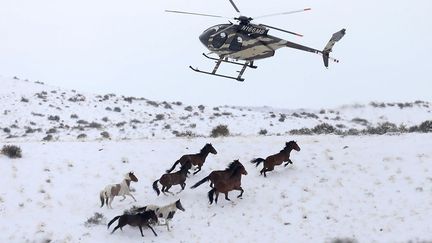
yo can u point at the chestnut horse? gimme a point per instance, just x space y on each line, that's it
170 179
227 184
196 159
217 175
277 159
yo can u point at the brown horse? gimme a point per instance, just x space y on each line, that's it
170 179
196 159
227 184
218 175
277 159
139 219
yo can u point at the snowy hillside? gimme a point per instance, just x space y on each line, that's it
365 188
35 112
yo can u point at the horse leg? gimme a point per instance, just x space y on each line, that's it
167 225
197 170
166 190
183 185
217 196
148 225
131 196
111 198
241 191
119 225
289 162
139 226
226 196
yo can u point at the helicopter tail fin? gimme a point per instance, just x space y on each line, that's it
328 48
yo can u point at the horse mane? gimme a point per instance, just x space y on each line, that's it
235 171
232 165
204 148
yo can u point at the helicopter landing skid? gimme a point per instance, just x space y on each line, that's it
218 63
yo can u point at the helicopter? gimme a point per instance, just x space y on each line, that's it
244 42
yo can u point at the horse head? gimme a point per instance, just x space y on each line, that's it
179 205
292 145
238 168
209 147
131 177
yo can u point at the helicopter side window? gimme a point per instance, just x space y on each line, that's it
219 40
236 43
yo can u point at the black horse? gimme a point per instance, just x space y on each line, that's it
139 219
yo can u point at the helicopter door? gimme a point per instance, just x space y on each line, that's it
236 43
219 40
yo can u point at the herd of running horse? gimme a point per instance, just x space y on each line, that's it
221 181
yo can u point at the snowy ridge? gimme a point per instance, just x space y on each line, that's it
34 112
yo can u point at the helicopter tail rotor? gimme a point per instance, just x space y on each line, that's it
329 47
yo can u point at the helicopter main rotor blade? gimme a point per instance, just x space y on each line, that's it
286 31
283 13
235 7
199 14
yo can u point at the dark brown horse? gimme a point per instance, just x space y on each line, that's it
227 184
139 219
218 175
196 159
170 179
277 159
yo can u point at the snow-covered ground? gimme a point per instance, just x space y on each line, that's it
368 188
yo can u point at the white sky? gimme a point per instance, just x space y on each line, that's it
134 48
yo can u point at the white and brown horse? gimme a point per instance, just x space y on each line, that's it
122 189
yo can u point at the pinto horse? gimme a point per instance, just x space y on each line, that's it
170 179
120 189
277 159
196 159
226 184
218 175
164 213
140 219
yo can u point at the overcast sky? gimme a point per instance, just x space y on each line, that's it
133 47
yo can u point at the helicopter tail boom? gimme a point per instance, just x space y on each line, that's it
327 49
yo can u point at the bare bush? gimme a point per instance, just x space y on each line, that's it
262 132
54 118
48 137
96 219
323 128
220 131
105 134
12 151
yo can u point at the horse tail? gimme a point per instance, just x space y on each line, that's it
155 187
173 167
201 182
113 220
257 161
101 196
210 195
